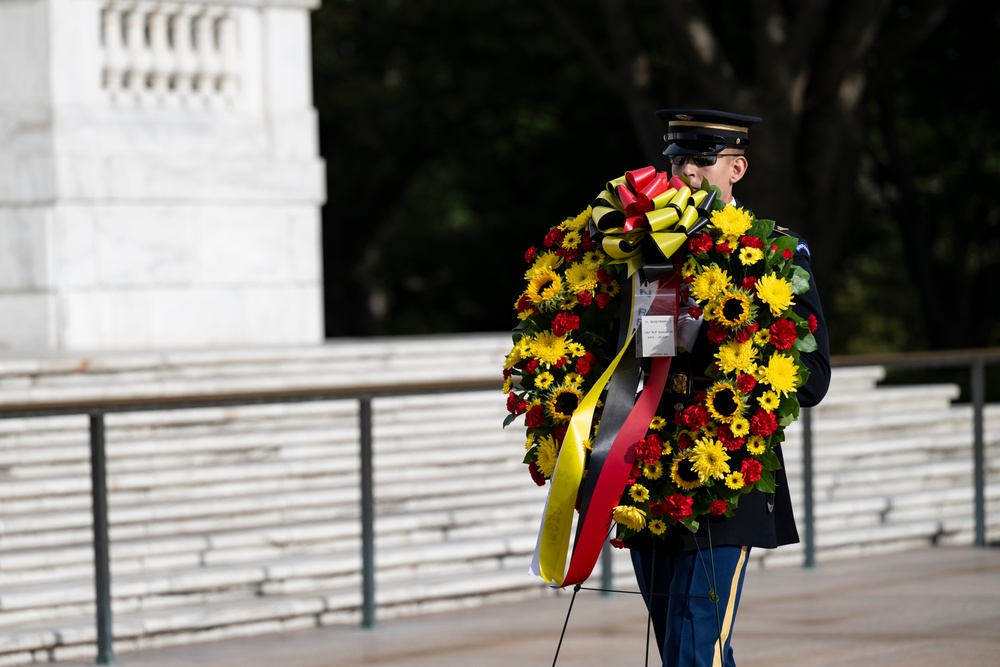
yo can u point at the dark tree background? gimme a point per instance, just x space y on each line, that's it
456 133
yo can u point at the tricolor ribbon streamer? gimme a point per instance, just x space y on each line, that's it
644 217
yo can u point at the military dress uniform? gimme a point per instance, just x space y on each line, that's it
684 570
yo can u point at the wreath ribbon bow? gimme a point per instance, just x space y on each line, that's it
646 216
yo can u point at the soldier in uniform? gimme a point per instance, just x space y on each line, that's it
680 572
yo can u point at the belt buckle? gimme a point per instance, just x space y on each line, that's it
680 383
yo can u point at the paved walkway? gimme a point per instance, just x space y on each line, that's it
923 608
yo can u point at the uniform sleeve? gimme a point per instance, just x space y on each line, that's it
818 362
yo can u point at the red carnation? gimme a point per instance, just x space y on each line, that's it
695 312
603 299
786 254
583 363
718 507
658 508
783 334
679 506
749 283
684 441
560 433
554 237
586 243
751 470
512 403
524 305
585 298
531 367
569 254
536 474
748 241
616 543
723 248
530 254
604 277
763 423
716 332
812 323
701 243
742 336
745 382
535 417
695 416
565 322
774 247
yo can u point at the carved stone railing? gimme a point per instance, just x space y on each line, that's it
175 54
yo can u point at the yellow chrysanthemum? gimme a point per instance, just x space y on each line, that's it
733 309
571 240
577 223
756 445
769 401
588 445
564 402
781 373
546 455
736 357
724 402
732 221
580 277
739 427
654 470
657 423
734 480
508 384
657 527
709 459
547 261
750 256
776 292
544 380
529 442
630 517
639 493
547 347
518 353
682 472
710 283
544 286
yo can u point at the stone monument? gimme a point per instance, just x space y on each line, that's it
160 183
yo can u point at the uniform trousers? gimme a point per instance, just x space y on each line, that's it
692 597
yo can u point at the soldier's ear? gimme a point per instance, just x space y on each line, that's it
738 168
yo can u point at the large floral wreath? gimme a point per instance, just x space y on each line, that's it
698 461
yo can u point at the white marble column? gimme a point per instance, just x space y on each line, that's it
160 182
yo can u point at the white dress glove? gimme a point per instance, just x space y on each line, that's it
688 327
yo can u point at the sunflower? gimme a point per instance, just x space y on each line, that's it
781 373
564 402
544 286
548 348
709 459
734 309
547 261
732 221
546 455
630 517
776 292
682 473
710 283
725 402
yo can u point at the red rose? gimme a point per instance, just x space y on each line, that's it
812 323
718 507
679 506
751 470
783 334
763 423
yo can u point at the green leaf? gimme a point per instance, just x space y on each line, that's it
769 459
762 228
806 343
509 419
799 279
765 483
691 524
529 456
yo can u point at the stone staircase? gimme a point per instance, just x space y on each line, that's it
245 520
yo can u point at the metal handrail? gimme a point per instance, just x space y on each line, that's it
974 360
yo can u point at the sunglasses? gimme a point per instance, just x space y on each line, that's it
698 160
